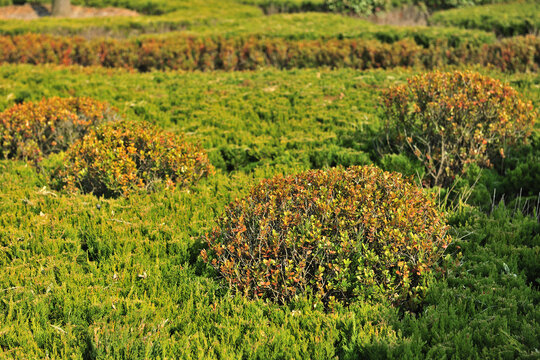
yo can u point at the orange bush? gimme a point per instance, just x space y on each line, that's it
33 130
340 234
451 120
119 158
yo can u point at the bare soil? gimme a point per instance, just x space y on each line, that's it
36 11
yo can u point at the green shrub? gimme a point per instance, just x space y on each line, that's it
367 7
403 164
339 234
451 120
32 130
270 7
512 19
119 158
364 7
448 4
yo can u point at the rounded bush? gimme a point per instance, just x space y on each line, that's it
32 130
451 120
339 234
118 158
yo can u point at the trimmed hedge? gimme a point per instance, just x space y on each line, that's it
452 120
340 234
448 4
32 130
503 19
153 7
288 6
191 53
122 157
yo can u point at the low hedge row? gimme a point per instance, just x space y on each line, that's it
145 6
288 6
503 19
192 53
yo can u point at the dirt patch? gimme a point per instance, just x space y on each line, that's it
405 16
36 11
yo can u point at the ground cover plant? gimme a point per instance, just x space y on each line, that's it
83 284
87 276
312 117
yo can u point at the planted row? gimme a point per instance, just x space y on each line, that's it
519 18
191 53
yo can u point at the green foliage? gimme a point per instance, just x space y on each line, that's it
518 18
32 130
446 4
485 308
234 22
515 181
522 170
403 164
149 7
363 7
367 7
301 118
119 158
119 278
451 120
359 233
84 277
315 26
244 120
288 6
179 15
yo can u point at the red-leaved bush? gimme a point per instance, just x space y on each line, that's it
451 120
249 53
32 130
340 234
